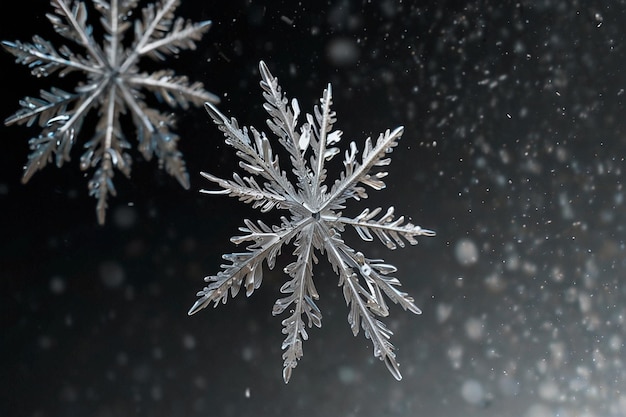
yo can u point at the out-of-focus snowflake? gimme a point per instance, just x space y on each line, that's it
313 221
114 84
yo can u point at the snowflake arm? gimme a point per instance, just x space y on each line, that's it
256 154
182 35
284 122
105 151
71 23
174 90
367 303
160 33
42 109
323 139
58 135
373 156
315 134
300 299
247 190
246 267
389 231
44 60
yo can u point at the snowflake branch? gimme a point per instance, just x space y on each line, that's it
247 190
106 150
159 140
77 30
246 267
284 119
175 90
180 38
386 229
302 294
111 23
51 104
257 159
56 140
45 60
152 35
325 120
345 187
284 123
363 304
44 147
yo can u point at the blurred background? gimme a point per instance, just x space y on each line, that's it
514 152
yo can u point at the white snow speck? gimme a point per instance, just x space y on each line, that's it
472 391
466 252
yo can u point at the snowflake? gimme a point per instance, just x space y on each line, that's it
313 221
113 84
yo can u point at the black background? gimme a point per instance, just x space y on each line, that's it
513 147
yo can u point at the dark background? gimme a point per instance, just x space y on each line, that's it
513 152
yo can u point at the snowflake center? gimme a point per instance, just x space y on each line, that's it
316 215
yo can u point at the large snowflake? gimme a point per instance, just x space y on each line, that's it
113 84
312 221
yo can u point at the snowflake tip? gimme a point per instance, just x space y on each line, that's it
197 306
393 367
214 112
205 24
265 72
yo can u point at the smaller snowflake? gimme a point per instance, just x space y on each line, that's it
113 84
313 221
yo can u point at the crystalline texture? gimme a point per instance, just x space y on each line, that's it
312 221
113 84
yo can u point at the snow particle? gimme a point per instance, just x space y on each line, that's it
347 375
474 328
57 285
342 52
443 312
125 217
538 410
466 252
549 390
112 274
189 342
472 391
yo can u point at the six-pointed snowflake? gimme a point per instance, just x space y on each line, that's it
113 84
313 221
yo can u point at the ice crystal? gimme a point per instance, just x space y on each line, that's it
313 221
114 84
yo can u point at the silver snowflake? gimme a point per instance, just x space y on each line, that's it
313 221
113 84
